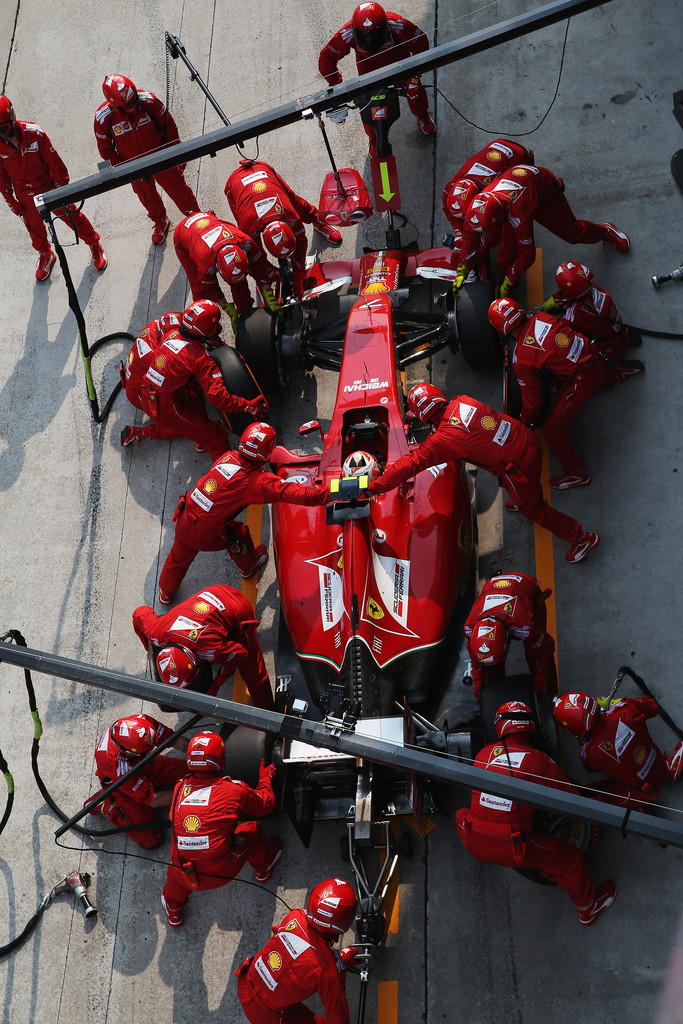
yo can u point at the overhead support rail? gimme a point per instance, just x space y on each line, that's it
109 178
318 734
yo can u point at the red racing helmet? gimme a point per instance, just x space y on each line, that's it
232 263
361 464
505 315
573 279
120 92
202 319
257 442
370 27
487 212
7 118
514 716
205 753
176 666
460 197
332 903
279 240
425 401
134 735
577 712
489 641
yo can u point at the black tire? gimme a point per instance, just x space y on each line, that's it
479 343
244 751
239 380
344 851
256 341
512 396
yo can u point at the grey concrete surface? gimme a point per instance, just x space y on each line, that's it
85 525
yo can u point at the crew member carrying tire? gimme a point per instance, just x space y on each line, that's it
616 741
511 606
265 206
166 372
209 843
299 961
216 626
135 801
465 428
501 831
206 517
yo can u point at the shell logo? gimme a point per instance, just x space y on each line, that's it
274 961
200 607
204 222
210 486
493 154
639 755
519 172
160 362
191 823
488 423
376 287
259 186
562 340
499 584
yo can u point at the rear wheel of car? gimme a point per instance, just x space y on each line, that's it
244 751
479 343
256 341
239 380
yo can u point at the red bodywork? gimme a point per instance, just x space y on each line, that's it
391 580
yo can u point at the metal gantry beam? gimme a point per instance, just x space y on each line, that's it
318 734
109 177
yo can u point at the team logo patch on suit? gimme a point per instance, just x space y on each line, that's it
191 823
274 960
210 486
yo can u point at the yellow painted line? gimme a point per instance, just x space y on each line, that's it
391 902
254 517
543 539
387 1002
423 828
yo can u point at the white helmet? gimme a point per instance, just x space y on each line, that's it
361 464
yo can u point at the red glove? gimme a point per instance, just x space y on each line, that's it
268 771
257 408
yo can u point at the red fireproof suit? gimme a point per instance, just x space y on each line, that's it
164 372
257 196
294 964
620 746
30 165
130 803
530 194
547 343
500 831
470 430
482 168
206 837
596 316
207 517
122 136
211 625
197 241
404 39
516 600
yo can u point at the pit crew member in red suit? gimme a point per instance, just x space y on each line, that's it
29 166
133 803
208 247
590 310
498 830
209 845
379 38
473 177
467 429
522 195
169 370
131 123
217 626
259 199
299 960
206 517
546 344
511 606
615 740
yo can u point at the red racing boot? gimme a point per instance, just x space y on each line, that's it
130 434
160 231
605 896
674 764
275 852
328 232
99 260
46 261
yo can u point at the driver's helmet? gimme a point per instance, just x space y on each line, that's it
361 464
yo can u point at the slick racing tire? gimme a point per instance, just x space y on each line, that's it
256 342
239 380
479 343
244 751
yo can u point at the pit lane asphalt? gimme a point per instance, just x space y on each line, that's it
86 526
